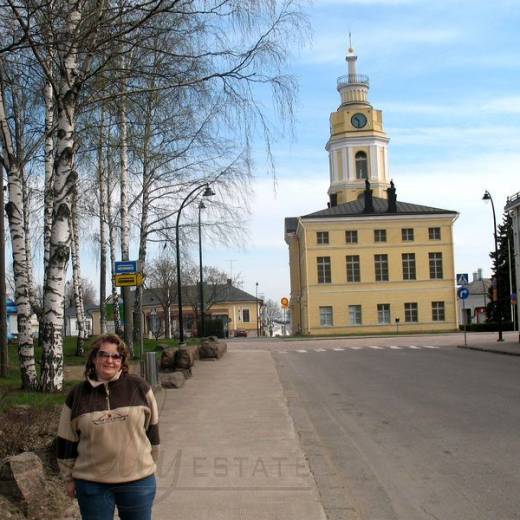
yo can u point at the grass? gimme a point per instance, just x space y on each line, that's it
11 394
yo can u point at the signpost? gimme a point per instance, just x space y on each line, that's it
462 278
463 293
127 273
285 304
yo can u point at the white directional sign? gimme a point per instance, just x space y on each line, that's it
462 279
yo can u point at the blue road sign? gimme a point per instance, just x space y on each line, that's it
463 293
128 266
462 279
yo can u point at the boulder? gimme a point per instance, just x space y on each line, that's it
186 372
172 380
212 348
185 357
168 359
22 480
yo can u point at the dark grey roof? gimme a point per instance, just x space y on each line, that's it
218 294
356 207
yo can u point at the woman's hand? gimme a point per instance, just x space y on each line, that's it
70 489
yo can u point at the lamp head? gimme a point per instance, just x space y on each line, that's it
486 196
208 192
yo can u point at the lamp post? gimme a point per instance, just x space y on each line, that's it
487 196
201 207
256 302
208 192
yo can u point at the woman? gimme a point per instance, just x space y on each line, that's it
108 437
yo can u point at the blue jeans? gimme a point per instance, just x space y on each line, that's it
134 499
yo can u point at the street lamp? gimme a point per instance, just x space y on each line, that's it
208 192
256 302
201 206
498 311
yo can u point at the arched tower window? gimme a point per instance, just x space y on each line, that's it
361 165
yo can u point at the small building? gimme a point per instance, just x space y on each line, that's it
473 308
238 308
71 320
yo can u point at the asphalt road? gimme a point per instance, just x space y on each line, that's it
409 432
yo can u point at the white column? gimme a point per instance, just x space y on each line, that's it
345 163
373 172
351 167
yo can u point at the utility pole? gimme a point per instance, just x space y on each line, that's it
4 357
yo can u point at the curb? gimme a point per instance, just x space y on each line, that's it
493 351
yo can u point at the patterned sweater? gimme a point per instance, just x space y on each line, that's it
109 431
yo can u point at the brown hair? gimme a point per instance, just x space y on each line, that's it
113 339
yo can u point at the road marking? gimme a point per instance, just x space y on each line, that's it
338 349
282 352
355 348
429 346
302 351
393 347
320 350
376 348
414 347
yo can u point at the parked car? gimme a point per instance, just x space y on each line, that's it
240 333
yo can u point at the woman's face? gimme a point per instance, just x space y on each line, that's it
106 361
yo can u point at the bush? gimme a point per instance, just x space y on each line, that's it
489 326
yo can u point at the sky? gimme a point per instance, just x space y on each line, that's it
446 75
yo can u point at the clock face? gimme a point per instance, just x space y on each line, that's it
358 120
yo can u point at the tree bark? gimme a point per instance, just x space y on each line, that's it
65 179
76 278
102 228
15 215
125 223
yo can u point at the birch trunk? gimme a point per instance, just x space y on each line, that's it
76 277
102 233
49 150
28 244
125 224
143 234
15 215
112 245
64 183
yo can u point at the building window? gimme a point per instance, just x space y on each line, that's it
381 267
323 263
410 312
383 313
434 233
361 165
379 235
322 237
408 266
435 266
407 234
438 311
351 236
354 313
353 270
245 315
326 317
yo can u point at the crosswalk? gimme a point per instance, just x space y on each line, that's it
360 347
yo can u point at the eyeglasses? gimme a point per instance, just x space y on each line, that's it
116 356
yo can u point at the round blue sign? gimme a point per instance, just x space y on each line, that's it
462 292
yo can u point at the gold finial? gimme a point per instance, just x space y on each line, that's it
350 49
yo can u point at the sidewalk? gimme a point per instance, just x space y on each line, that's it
229 450
508 347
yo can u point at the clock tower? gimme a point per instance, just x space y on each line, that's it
358 144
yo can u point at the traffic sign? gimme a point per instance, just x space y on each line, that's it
462 278
463 293
514 298
127 266
285 302
129 280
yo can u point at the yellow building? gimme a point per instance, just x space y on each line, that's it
368 263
